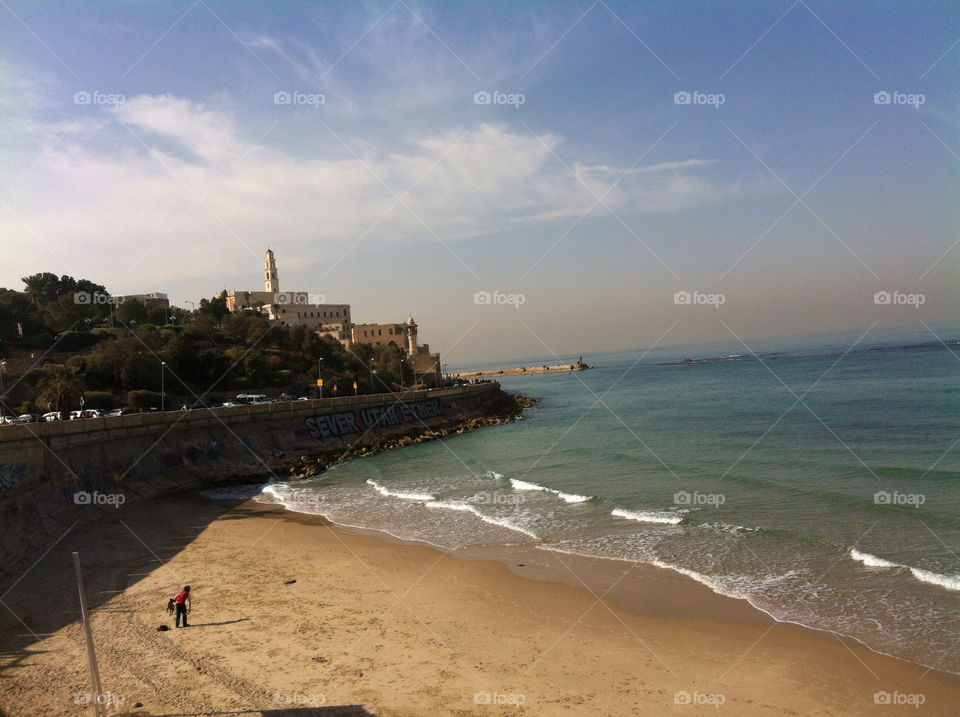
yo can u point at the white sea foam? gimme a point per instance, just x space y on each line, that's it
493 474
950 582
419 497
299 500
649 516
523 485
566 497
699 577
467 508
571 497
872 561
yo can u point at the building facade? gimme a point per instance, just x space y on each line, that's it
300 308
153 300
292 308
404 336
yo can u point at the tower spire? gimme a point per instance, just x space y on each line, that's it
271 282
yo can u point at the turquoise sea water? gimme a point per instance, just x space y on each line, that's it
818 478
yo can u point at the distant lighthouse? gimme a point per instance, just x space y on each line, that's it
270 281
411 336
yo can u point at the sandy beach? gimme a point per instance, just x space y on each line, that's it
374 627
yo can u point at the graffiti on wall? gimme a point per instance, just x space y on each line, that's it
334 425
12 473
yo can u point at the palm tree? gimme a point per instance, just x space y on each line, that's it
61 388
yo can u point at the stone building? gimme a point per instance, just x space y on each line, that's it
301 308
153 300
292 308
404 336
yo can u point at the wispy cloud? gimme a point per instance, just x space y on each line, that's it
189 178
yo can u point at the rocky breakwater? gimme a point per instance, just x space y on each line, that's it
504 409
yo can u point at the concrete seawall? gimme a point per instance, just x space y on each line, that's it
53 475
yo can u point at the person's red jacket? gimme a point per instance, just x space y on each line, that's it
182 596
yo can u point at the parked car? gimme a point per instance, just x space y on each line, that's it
86 413
123 411
51 416
7 420
28 418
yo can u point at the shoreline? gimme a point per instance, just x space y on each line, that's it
374 627
679 596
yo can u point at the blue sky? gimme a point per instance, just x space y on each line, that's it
789 192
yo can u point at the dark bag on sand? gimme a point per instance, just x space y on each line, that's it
162 628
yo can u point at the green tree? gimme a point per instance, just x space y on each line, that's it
131 310
61 389
16 307
42 288
157 316
215 307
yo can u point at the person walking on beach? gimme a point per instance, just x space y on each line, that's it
183 605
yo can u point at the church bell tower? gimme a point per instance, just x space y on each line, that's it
271 283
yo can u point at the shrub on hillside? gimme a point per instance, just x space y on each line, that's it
36 341
75 340
143 399
98 399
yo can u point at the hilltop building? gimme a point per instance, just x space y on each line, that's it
153 300
300 308
404 336
292 308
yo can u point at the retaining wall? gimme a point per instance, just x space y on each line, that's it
54 474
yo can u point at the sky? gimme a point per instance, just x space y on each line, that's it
525 179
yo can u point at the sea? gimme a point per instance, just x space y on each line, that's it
817 477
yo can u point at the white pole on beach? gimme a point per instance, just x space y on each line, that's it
88 632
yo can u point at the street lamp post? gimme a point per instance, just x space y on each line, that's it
3 370
320 376
371 376
163 393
